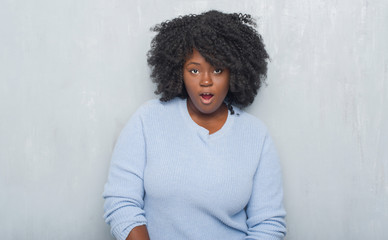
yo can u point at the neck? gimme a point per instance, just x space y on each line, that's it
213 121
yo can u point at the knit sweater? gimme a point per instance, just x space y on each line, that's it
169 173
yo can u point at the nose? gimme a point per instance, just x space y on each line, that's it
206 80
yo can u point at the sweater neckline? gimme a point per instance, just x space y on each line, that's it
203 132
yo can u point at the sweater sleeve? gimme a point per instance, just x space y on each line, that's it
265 211
124 190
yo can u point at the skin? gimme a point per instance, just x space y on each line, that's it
138 233
201 77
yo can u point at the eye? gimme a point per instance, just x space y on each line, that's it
218 71
194 71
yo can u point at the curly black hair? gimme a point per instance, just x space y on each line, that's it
224 40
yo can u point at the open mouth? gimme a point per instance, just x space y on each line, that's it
206 96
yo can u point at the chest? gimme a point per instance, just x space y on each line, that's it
212 174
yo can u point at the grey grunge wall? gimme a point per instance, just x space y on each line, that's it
73 72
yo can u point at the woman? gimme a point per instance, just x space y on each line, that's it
193 165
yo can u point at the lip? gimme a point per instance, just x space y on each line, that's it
206 101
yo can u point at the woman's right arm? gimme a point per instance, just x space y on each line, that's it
139 233
124 190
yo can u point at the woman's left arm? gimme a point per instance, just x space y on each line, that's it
265 211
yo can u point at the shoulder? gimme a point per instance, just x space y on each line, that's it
155 105
156 110
247 122
149 105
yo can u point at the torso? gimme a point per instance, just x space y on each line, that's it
194 179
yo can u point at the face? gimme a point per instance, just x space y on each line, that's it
206 85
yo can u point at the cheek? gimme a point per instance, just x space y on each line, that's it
185 82
226 85
189 87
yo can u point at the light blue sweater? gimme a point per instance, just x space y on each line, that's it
169 173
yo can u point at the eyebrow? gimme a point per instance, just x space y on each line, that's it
195 63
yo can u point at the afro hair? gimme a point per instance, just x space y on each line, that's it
224 40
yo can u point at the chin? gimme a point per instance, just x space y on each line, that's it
210 110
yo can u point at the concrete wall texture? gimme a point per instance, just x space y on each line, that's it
73 72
